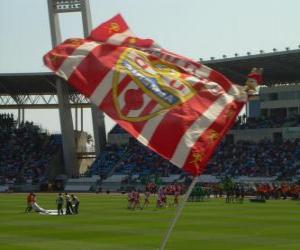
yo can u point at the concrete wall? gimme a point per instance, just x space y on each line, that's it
268 133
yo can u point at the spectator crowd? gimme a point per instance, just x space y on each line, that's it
265 158
25 151
243 158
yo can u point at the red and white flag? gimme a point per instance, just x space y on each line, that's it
179 108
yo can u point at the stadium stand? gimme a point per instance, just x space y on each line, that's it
134 161
265 158
108 158
241 159
25 151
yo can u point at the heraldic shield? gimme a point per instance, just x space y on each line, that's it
144 86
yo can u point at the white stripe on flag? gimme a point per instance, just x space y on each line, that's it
239 93
190 137
119 38
73 61
204 71
193 80
150 127
103 88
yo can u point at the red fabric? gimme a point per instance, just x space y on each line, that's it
177 107
29 198
107 29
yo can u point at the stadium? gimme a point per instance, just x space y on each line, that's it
247 197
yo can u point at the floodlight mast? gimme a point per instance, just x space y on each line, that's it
56 7
61 6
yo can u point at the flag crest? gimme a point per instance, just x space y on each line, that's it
151 82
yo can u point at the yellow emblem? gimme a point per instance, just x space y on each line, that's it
230 113
197 158
152 80
212 136
74 41
132 40
113 28
53 57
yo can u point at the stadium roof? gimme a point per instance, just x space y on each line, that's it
279 67
28 83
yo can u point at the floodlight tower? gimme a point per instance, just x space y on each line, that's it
56 7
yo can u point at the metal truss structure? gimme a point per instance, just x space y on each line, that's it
50 101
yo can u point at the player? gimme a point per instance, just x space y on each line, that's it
60 203
29 203
69 209
176 198
161 198
130 198
137 200
147 199
158 201
75 203
33 199
164 198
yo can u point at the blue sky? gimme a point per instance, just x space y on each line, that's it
194 28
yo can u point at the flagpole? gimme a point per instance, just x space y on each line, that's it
178 213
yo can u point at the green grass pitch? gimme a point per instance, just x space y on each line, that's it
105 223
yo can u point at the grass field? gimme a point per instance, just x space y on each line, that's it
105 223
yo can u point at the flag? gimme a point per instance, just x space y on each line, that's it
179 108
